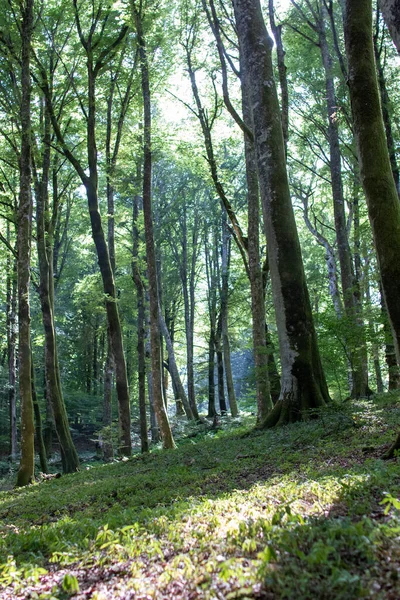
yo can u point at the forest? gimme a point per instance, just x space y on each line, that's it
200 283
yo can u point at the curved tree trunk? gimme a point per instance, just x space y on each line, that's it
375 169
174 369
303 380
69 455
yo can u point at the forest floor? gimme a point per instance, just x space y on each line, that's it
305 511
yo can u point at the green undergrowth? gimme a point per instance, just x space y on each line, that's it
305 511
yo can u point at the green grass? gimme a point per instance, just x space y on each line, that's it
306 511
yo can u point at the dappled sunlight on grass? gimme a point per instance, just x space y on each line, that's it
287 512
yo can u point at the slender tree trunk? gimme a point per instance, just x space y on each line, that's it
303 380
170 323
70 460
141 318
280 53
162 417
26 471
385 104
224 318
375 169
390 354
211 413
49 424
174 369
155 430
220 367
260 350
108 451
38 424
359 375
11 349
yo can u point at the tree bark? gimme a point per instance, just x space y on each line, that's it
38 424
303 381
69 456
375 169
224 318
260 349
385 104
391 13
359 375
162 417
174 369
11 348
26 471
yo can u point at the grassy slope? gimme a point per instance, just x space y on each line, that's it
288 513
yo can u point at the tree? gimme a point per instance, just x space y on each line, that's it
96 60
375 168
156 366
303 380
27 468
391 13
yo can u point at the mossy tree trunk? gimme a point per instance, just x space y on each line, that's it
303 380
90 182
69 455
11 346
375 169
26 471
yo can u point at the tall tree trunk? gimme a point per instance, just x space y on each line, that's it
140 327
303 380
280 54
11 348
359 375
224 318
70 460
220 367
114 324
26 471
108 451
162 417
385 104
90 182
375 169
260 350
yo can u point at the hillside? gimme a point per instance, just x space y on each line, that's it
309 510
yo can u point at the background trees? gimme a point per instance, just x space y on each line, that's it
152 120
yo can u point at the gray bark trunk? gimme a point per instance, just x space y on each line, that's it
303 381
391 13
